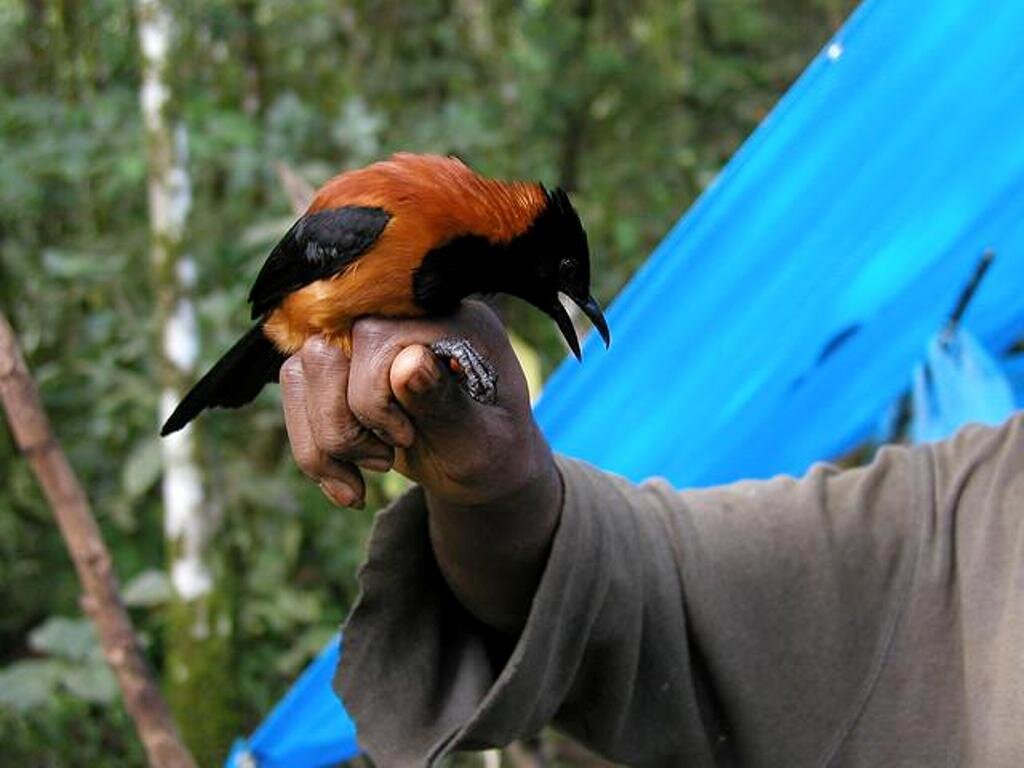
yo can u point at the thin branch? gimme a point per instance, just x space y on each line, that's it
299 191
101 598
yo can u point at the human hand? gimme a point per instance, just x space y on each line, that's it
394 403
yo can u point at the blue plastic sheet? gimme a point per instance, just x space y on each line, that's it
1014 368
782 315
309 728
958 383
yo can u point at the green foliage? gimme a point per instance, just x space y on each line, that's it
74 667
70 732
634 106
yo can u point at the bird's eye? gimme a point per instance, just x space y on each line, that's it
566 269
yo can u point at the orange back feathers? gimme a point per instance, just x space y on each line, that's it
441 193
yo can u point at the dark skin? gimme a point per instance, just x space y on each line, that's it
492 488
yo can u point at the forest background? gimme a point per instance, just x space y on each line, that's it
631 105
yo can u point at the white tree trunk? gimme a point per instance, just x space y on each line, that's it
199 628
185 517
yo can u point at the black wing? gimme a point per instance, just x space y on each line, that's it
318 245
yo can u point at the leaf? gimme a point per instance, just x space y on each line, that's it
91 682
64 638
28 684
142 468
308 645
147 589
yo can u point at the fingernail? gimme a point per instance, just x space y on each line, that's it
375 465
423 379
340 494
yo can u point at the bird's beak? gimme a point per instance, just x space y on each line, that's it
593 311
561 317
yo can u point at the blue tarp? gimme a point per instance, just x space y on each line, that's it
309 727
783 314
958 383
1014 367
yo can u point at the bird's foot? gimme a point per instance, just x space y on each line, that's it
476 376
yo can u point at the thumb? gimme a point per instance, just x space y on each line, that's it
428 393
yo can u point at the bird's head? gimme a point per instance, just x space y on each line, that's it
556 257
512 237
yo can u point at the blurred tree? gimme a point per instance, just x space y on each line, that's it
199 631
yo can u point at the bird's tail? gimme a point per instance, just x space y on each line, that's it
235 379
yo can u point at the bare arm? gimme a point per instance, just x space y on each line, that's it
493 491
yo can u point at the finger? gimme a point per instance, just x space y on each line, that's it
429 394
454 436
335 430
374 346
341 482
296 421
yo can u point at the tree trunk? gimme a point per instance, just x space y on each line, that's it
575 118
198 675
102 598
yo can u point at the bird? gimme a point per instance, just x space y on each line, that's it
410 236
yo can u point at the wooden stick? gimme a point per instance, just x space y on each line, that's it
101 598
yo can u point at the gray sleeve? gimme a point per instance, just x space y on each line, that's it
738 624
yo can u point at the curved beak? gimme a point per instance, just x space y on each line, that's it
593 311
561 317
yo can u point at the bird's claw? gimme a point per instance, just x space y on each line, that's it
477 377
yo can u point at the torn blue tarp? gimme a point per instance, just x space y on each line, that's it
957 383
781 316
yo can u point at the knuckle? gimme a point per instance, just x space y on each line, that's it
372 408
291 371
369 330
362 401
307 458
368 400
341 440
318 355
368 418
313 347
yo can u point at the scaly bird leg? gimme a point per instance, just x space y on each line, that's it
476 376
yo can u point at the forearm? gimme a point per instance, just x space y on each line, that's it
603 651
492 555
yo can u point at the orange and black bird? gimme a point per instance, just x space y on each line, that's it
406 237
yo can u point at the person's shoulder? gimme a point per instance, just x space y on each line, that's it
981 462
984 439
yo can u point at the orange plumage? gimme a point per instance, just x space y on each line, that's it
431 199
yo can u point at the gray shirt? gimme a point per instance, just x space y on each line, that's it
868 617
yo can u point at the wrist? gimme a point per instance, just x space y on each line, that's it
495 474
492 552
